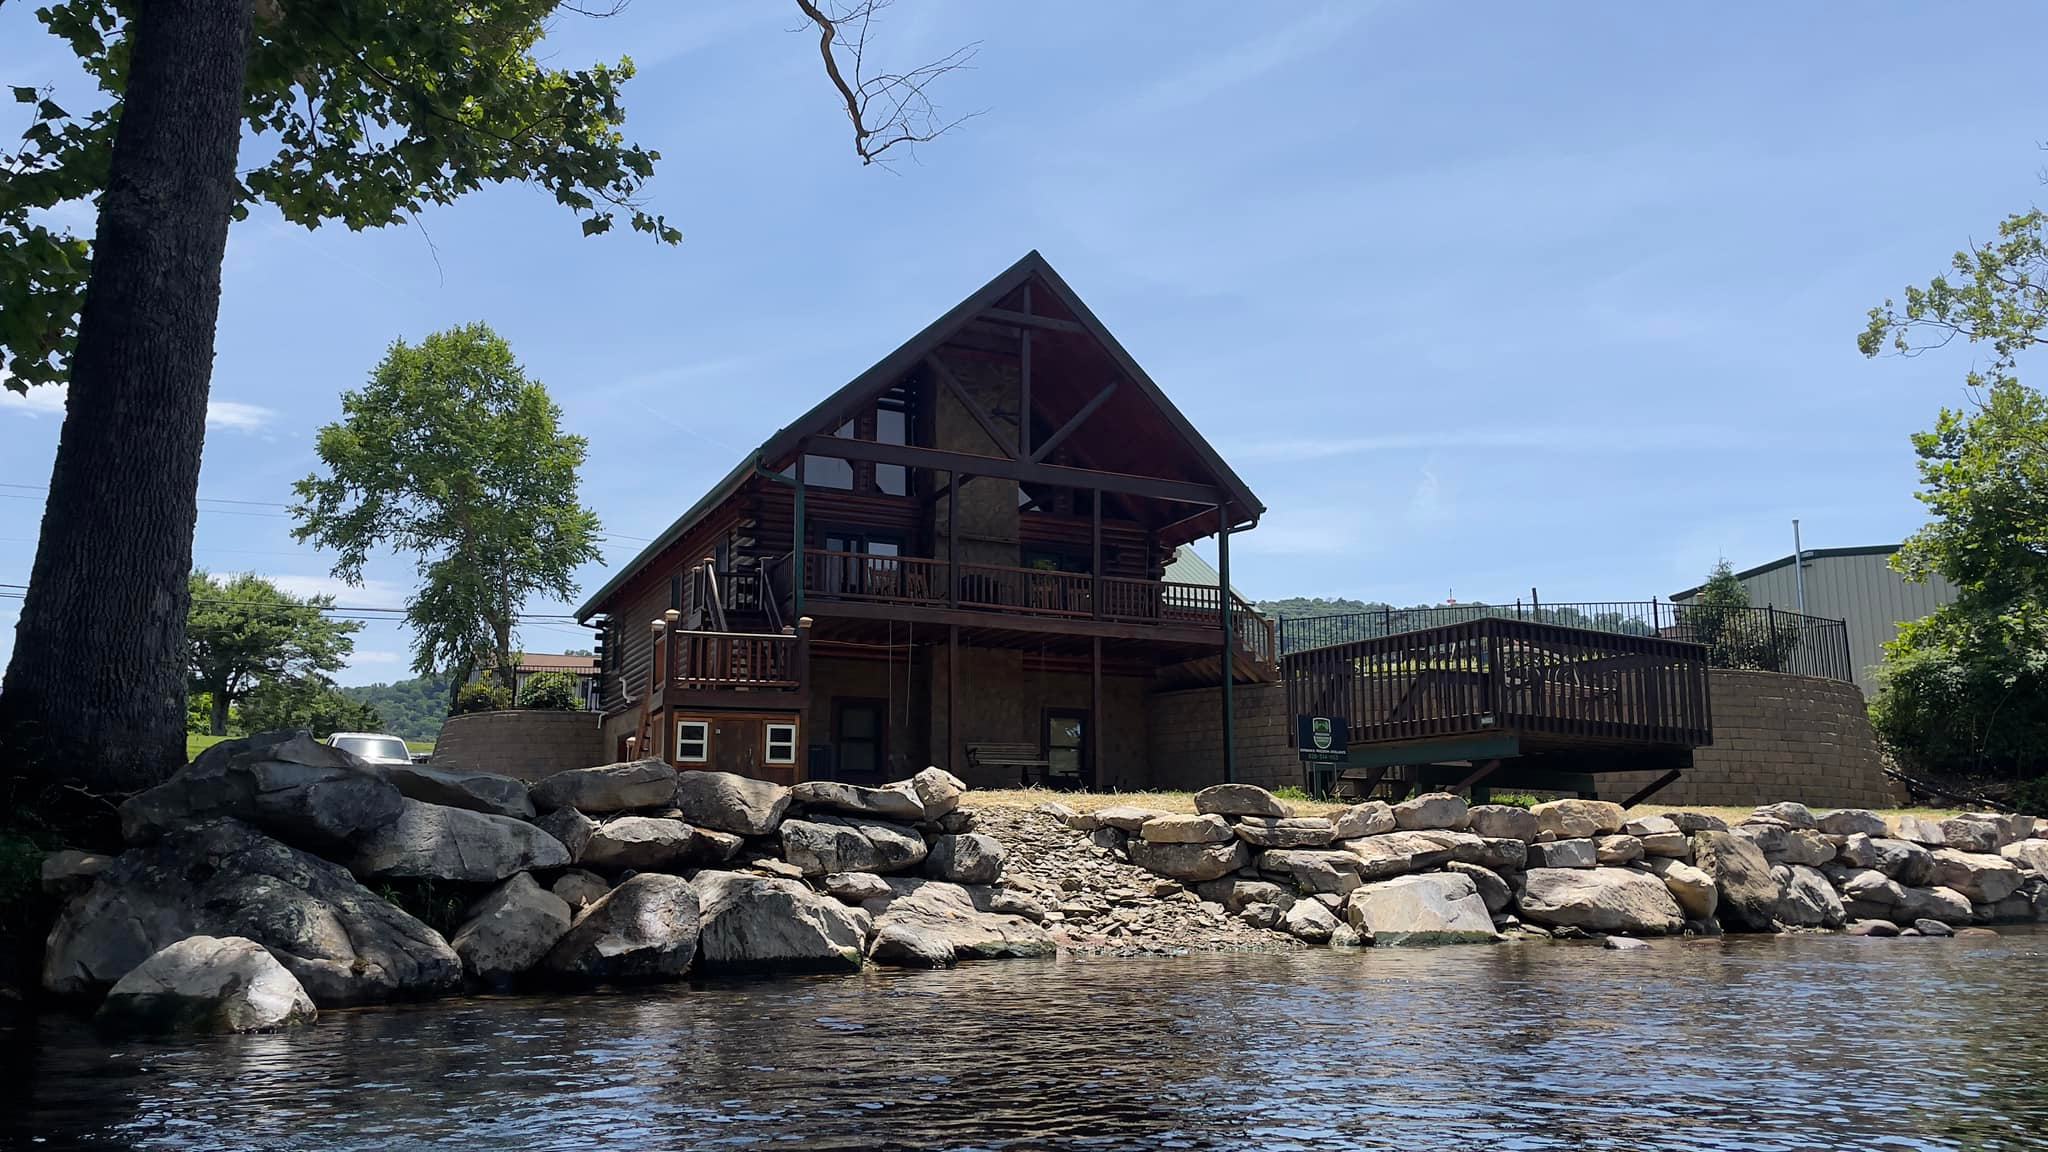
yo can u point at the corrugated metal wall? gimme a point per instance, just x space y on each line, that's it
1862 590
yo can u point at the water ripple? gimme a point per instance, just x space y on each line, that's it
1746 1045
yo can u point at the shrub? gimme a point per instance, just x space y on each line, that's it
551 691
482 696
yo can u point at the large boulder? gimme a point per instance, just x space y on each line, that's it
1692 888
1618 849
653 844
2031 855
69 872
1236 893
1368 819
1241 800
894 802
1906 861
1191 861
1973 832
1850 821
1493 889
1865 887
1748 891
969 858
1984 878
1292 832
1395 853
1788 813
571 827
760 923
1185 830
939 791
579 888
476 791
907 945
288 784
941 912
644 929
1503 821
1575 853
1918 829
1309 921
344 943
436 842
730 802
1579 819
1806 899
208 984
1808 847
609 787
510 930
1600 900
823 843
1943 904
1122 817
1431 908
1691 822
1431 810
1314 869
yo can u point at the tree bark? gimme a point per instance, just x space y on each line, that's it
95 691
219 726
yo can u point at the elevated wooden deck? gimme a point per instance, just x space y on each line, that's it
1511 701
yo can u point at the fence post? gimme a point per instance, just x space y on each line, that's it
1386 620
1771 635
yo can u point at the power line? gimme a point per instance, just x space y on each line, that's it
365 612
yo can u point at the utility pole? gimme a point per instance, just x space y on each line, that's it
1798 569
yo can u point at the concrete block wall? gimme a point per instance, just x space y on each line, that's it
1778 737
1186 737
528 745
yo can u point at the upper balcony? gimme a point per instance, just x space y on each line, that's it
1178 611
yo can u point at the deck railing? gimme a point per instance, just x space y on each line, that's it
1765 639
1494 674
922 581
728 660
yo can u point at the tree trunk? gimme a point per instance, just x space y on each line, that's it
95 691
219 726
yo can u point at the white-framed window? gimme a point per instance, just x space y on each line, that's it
781 744
693 741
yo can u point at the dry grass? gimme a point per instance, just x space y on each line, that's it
1184 802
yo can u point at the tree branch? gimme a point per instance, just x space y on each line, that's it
888 108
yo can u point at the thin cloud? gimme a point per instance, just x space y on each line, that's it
48 400
372 593
1315 32
1553 439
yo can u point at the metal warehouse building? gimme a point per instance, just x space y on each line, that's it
1852 584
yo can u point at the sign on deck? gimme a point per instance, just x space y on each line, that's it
1322 739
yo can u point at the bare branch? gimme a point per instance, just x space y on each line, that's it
885 108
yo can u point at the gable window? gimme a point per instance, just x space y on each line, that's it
892 426
693 741
831 471
780 744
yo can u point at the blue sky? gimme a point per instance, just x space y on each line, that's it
1476 298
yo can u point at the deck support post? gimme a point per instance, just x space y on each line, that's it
797 544
1652 788
1024 388
952 695
1095 715
1095 551
953 539
1229 672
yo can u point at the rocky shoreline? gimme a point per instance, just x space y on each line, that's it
245 898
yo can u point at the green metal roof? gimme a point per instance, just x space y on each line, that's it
1786 562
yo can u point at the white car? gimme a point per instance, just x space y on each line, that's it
375 747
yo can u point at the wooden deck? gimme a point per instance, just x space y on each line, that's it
1511 700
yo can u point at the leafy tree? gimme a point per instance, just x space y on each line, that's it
452 454
1965 690
482 696
313 704
412 708
245 631
552 691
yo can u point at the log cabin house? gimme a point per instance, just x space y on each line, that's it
957 559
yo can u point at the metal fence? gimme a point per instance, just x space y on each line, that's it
1766 639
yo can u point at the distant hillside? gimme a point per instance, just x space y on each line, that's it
412 709
1313 606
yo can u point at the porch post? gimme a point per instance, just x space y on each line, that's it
1095 551
1095 715
797 543
952 694
1223 613
953 540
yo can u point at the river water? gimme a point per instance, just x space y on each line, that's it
1800 1042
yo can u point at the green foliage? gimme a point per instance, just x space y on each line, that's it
482 696
412 709
1720 618
313 705
244 632
451 453
199 713
551 691
1965 690
356 112
437 904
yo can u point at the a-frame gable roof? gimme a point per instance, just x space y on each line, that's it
825 416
